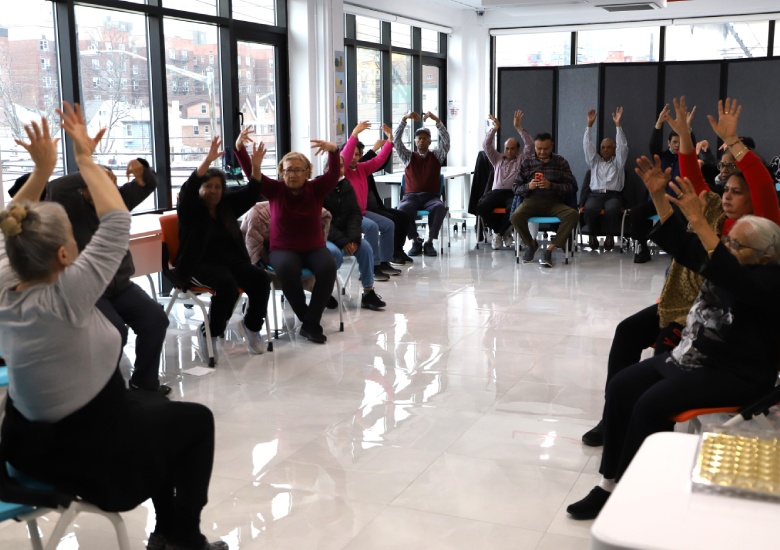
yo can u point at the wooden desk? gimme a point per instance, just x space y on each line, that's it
654 507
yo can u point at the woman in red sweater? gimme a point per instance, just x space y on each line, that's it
296 239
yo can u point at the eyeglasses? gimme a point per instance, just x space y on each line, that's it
729 165
736 246
293 171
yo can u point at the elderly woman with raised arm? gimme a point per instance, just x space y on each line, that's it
70 421
727 355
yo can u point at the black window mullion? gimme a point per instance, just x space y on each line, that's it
158 108
68 51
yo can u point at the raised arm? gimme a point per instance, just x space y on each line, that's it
444 138
398 138
689 162
587 141
374 164
43 151
487 144
758 178
528 140
105 194
214 153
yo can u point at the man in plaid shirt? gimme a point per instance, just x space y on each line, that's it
547 187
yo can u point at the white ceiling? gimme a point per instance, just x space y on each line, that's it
527 13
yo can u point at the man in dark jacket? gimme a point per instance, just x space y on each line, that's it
345 237
124 302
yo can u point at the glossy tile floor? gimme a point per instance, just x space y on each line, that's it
452 420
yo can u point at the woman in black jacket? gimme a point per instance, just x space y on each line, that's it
212 252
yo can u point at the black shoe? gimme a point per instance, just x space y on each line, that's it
380 275
593 242
400 258
157 542
390 270
429 249
332 303
594 437
162 389
417 247
313 333
643 256
609 243
372 300
217 545
590 506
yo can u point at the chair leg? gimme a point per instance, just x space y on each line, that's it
341 309
209 344
35 535
66 518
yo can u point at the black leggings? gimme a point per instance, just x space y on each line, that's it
401 221
119 450
226 280
287 266
642 398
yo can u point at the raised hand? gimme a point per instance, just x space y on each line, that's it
414 116
136 170
689 118
728 116
73 124
323 146
214 150
388 132
690 204
653 175
702 145
661 117
431 116
243 138
680 123
42 149
617 117
591 117
364 125
495 121
518 120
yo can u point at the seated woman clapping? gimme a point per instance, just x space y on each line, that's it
727 353
212 252
70 420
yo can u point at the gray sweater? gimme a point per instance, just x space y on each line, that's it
61 351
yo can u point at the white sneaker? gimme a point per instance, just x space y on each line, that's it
254 342
509 242
496 241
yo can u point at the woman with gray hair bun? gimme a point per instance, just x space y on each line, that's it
727 355
70 420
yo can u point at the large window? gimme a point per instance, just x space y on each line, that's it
628 45
535 49
194 98
110 42
393 69
717 41
29 84
158 76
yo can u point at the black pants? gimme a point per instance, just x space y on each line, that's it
401 221
133 307
497 198
287 266
225 281
612 203
119 450
640 225
642 398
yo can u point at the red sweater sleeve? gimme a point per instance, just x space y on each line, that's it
689 168
762 187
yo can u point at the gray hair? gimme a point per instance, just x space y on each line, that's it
34 232
763 234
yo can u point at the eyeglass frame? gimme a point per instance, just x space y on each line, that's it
294 171
736 246
729 165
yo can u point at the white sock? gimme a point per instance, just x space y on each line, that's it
608 484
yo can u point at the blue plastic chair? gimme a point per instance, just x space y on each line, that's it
423 214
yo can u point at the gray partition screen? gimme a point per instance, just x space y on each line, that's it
578 91
635 87
700 84
755 83
533 91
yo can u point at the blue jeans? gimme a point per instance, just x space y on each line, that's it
365 259
383 248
